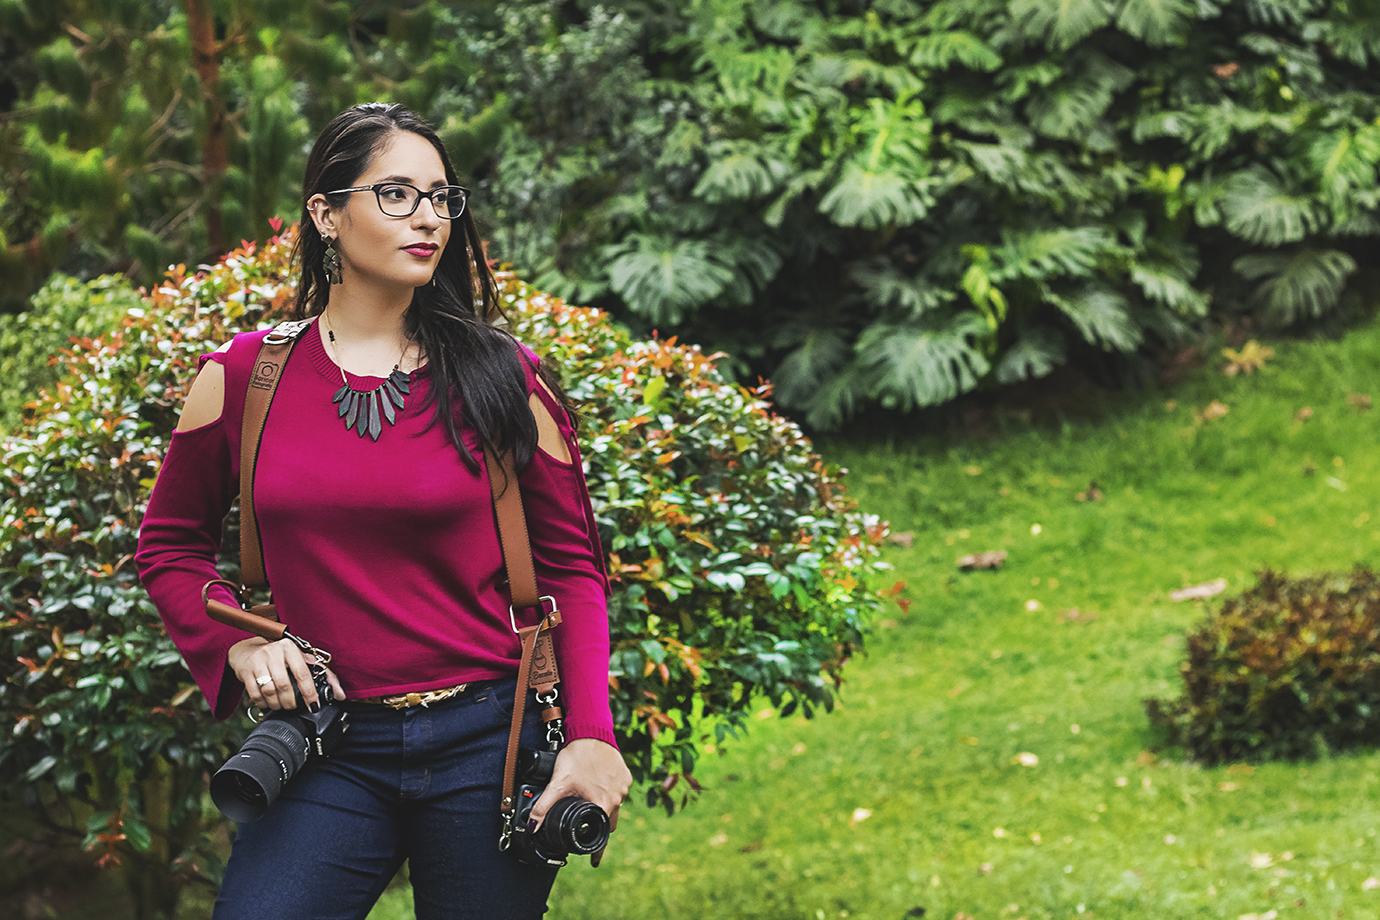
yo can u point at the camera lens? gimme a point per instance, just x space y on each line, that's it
574 825
250 781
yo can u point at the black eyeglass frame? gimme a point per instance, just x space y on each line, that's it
465 201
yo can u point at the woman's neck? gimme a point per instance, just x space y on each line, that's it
369 331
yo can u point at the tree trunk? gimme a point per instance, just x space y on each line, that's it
201 24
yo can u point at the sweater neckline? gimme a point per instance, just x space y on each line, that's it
326 366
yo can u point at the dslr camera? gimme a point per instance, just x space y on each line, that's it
276 749
572 825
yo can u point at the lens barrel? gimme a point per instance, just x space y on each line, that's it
250 781
573 825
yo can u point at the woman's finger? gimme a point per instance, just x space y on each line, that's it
279 692
297 667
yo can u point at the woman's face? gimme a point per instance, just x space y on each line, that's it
382 250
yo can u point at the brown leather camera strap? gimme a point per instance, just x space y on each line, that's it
537 670
263 383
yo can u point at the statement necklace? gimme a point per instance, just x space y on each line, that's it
364 410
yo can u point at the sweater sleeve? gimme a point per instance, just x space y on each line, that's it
178 544
570 567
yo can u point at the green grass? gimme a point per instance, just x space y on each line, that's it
1106 824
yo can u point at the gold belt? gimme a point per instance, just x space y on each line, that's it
408 700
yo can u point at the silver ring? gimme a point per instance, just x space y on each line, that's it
266 679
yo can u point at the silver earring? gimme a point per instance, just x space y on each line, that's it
331 263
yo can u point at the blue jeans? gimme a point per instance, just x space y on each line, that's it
420 784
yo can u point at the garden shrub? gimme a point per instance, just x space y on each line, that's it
740 569
1289 668
30 342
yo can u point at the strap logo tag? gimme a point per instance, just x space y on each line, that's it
265 375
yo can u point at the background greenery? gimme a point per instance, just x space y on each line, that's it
883 203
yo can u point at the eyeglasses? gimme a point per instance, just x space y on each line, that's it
398 200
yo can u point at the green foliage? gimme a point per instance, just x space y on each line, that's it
1083 172
740 568
1290 668
31 343
788 181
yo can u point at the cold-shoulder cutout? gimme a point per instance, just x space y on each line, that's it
206 402
550 438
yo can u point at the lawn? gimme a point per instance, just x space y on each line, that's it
991 756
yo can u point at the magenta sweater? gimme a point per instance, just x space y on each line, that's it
384 553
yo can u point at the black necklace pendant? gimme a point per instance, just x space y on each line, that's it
364 410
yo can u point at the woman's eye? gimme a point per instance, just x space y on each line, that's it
393 193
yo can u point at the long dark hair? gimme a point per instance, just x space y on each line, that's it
467 357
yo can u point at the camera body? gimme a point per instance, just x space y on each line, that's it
572 825
279 746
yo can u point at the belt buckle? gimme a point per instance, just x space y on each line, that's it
413 699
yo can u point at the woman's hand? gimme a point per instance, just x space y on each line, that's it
264 668
591 769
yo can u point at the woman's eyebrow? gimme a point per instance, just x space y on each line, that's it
407 180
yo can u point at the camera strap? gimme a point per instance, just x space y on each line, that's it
537 671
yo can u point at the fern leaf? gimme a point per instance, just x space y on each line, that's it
908 365
940 50
875 199
1306 285
1156 22
664 280
1035 354
1258 208
1102 316
1060 24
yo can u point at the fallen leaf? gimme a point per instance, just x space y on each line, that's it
1370 884
1211 412
1093 494
1241 769
1227 787
904 538
718 840
1261 860
1360 400
973 470
1198 592
1226 71
1035 530
1026 759
992 559
985 868
1121 781
1074 615
1036 839
860 815
1146 759
1303 414
1032 605
999 832
1170 839
1249 359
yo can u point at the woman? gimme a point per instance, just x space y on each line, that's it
380 547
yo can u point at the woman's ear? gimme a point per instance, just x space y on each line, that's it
323 216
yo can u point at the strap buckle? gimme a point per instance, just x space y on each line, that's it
541 603
286 331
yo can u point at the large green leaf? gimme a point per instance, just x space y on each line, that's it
739 172
1070 108
664 280
1037 352
1060 24
912 364
1303 285
941 50
1061 252
1167 284
886 286
1259 209
1345 162
1156 22
873 199
806 369
1102 316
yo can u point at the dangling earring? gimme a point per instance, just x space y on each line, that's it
331 263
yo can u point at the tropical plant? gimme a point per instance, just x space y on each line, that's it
898 202
741 570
